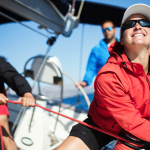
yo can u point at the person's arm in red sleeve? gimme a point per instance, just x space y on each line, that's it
113 94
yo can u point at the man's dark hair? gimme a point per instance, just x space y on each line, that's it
108 21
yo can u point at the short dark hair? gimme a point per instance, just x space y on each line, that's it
108 21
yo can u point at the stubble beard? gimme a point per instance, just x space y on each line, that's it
108 40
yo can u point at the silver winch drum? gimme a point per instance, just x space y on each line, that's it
50 73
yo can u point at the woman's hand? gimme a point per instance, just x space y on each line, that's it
27 100
3 99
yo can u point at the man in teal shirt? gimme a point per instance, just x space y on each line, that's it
99 53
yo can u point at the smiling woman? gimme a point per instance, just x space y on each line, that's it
136 39
121 99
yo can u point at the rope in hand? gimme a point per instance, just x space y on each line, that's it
83 123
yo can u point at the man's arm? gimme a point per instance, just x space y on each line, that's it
91 67
12 78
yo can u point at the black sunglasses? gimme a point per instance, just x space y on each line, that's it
132 23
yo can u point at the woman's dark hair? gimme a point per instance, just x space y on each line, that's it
121 31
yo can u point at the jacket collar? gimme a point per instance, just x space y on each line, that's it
118 56
103 42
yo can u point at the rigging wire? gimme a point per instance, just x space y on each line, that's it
36 79
80 9
41 66
73 7
80 62
14 20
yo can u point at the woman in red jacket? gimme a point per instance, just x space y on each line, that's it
121 101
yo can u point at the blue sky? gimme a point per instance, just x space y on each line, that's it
18 43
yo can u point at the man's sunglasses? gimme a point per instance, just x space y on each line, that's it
109 29
132 23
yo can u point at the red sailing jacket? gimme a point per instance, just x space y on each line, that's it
122 96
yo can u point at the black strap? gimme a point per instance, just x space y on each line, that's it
131 146
130 139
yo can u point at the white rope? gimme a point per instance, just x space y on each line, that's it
80 87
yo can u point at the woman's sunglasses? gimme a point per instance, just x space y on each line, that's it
109 29
132 23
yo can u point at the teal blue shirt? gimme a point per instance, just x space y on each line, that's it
96 61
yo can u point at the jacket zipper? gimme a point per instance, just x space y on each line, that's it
148 80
